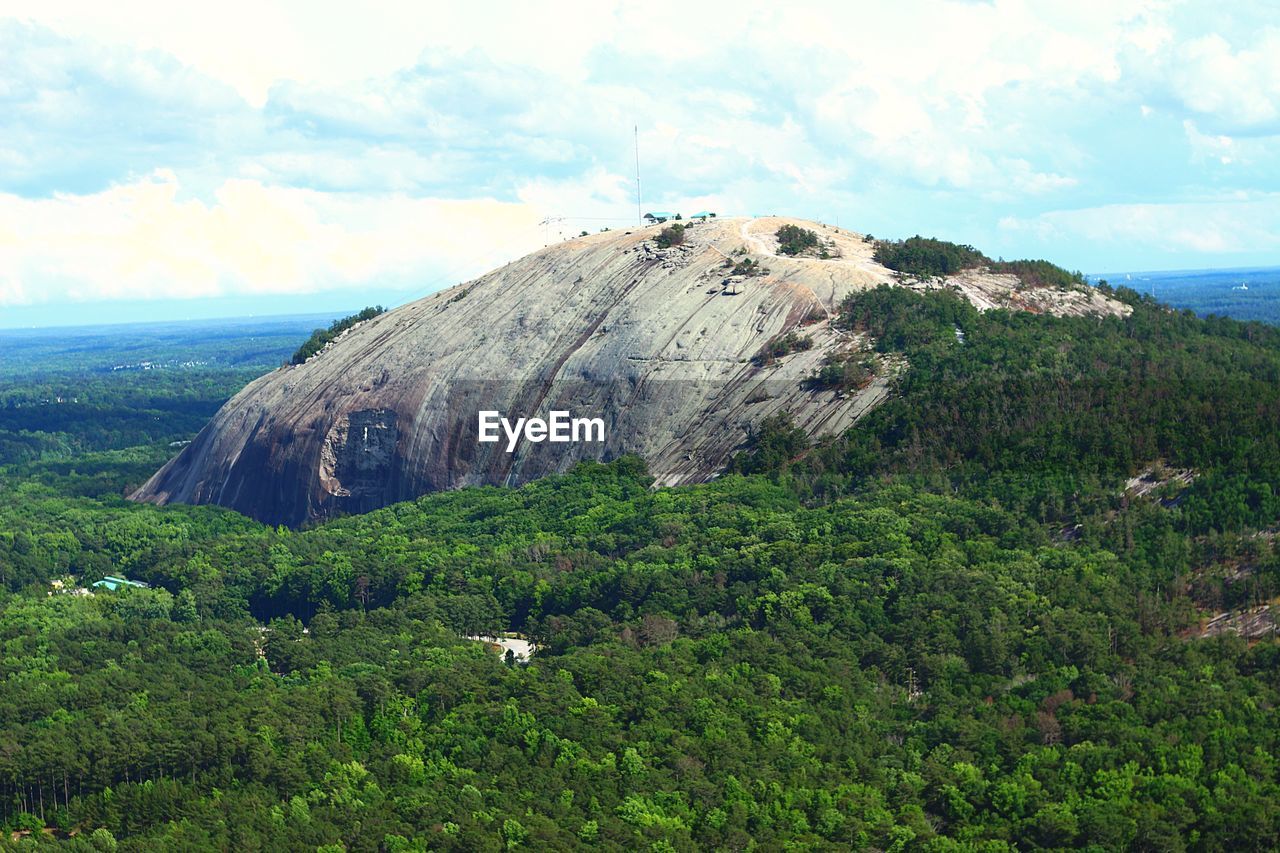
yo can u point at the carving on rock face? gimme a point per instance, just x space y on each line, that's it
358 457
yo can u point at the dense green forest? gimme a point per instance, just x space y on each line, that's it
1040 413
950 629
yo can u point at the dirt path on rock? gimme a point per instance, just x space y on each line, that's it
755 242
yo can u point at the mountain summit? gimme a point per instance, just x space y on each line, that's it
678 342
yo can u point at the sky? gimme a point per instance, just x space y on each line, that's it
161 160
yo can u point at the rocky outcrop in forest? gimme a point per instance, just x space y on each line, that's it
679 351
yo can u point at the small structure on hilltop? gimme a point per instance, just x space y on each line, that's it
113 583
702 216
659 216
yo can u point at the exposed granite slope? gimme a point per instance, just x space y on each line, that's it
658 343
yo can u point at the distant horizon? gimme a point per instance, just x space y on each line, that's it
199 310
1188 270
238 319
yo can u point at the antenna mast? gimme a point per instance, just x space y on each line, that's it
636 130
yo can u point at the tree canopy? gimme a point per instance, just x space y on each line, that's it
949 628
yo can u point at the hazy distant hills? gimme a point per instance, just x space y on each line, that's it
1249 293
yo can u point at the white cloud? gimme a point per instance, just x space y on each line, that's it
379 168
1220 147
937 92
597 193
144 240
12 292
315 147
1212 226
1238 88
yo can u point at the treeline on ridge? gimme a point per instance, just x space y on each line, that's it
926 257
320 337
1046 413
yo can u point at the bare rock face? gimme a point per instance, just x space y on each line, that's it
660 344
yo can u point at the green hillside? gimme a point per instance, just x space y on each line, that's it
951 628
